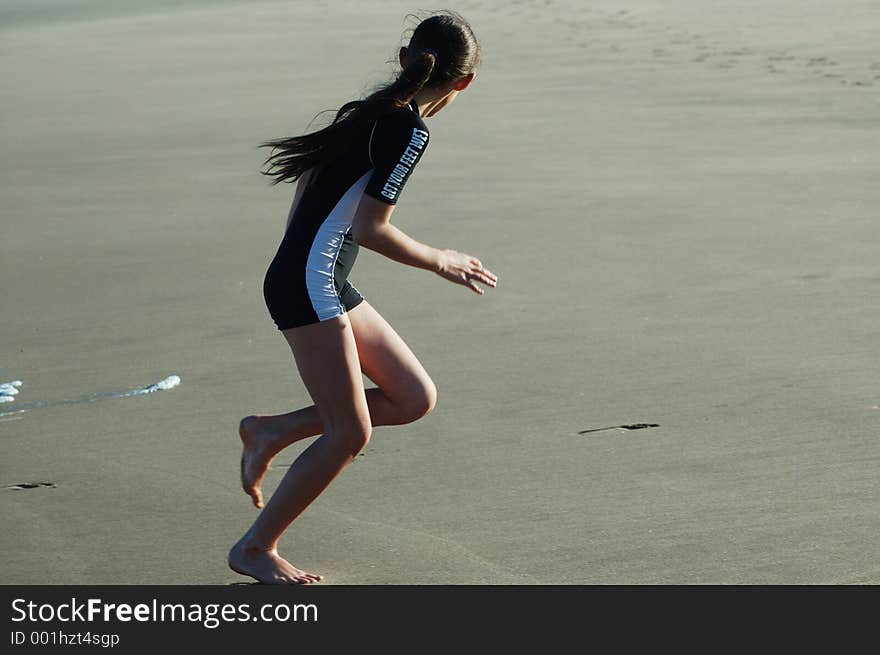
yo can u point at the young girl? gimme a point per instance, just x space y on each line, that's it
350 175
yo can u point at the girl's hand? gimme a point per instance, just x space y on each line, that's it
465 270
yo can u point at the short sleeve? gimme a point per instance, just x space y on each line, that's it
397 142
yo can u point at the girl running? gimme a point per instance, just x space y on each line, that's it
350 176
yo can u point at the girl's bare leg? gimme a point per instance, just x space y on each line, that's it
327 359
405 392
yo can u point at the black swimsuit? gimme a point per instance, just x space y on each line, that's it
307 280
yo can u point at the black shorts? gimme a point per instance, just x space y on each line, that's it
300 290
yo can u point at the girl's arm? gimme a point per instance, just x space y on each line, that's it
371 227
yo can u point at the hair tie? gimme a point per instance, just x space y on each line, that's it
433 52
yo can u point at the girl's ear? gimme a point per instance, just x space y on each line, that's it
402 56
463 82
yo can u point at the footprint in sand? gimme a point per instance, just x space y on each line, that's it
688 39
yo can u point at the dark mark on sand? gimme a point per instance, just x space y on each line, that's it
632 426
30 485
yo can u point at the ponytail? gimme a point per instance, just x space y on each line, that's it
298 154
442 48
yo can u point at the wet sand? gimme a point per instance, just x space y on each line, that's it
681 208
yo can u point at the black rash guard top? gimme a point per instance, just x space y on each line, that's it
307 281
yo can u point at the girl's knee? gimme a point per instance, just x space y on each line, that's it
354 437
357 438
430 397
421 401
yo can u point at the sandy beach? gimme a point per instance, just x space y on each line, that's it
680 204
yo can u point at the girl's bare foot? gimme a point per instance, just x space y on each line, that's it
259 447
267 566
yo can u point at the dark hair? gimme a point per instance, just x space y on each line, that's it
442 49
